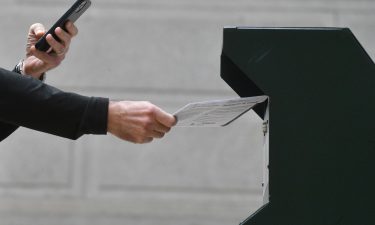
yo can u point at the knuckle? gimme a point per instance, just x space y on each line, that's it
146 103
140 140
150 109
145 133
36 25
148 124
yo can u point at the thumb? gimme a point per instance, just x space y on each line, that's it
165 118
38 30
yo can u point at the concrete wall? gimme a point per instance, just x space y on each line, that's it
166 52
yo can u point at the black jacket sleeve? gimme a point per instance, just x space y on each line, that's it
27 102
5 128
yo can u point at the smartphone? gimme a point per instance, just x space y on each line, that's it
77 9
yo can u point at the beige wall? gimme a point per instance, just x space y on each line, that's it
167 52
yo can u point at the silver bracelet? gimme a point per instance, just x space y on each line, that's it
19 67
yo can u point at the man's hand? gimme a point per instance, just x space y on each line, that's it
37 62
138 122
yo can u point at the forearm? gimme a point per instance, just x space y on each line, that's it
5 128
28 102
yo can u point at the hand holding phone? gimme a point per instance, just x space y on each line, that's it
77 9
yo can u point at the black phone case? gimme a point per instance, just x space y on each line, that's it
77 9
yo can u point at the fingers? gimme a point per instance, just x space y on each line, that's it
37 29
71 28
48 59
56 46
148 130
146 140
164 118
138 122
162 124
59 47
157 134
149 127
161 128
38 62
64 36
62 46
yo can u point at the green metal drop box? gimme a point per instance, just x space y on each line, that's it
320 168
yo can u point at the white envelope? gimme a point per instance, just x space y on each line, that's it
215 113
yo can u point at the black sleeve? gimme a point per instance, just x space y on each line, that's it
27 102
5 128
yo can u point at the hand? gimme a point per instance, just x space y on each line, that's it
37 62
138 122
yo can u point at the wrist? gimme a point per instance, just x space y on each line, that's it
37 75
29 68
112 114
22 69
